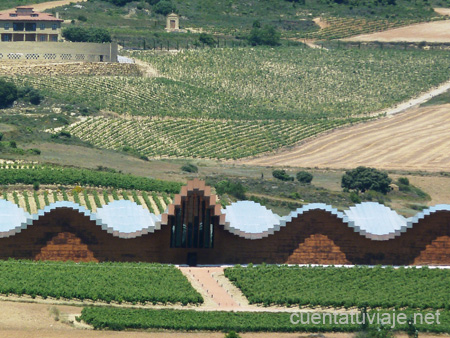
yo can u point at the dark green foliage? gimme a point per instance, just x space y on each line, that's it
83 177
403 180
82 18
232 334
165 7
266 35
97 281
364 178
189 168
8 93
35 186
304 177
282 175
359 286
207 39
82 34
113 318
12 144
235 189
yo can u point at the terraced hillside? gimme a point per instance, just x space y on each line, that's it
294 93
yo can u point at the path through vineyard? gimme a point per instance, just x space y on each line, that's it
414 140
217 291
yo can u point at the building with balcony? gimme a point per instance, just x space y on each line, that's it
27 25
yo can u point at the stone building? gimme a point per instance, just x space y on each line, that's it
27 25
173 22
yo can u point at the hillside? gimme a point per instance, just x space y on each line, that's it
207 93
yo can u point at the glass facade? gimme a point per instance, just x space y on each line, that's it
193 223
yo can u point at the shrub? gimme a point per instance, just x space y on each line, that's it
36 186
354 197
82 18
189 168
266 35
235 189
207 39
13 144
304 177
164 7
403 180
8 93
232 334
364 178
282 175
35 97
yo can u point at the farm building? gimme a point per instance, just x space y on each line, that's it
196 230
27 25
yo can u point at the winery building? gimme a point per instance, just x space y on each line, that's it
24 24
195 229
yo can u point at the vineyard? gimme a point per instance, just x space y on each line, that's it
344 287
155 137
44 174
294 93
145 283
92 199
120 319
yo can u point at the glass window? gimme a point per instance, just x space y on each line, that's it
43 38
42 25
6 37
54 26
6 26
55 38
18 26
30 27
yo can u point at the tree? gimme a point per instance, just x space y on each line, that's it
282 175
164 7
189 168
364 178
235 189
266 35
207 39
81 34
8 93
304 177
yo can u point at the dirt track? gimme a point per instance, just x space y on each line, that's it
47 5
415 140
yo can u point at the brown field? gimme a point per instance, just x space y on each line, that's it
438 31
416 140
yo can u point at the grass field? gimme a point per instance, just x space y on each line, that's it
295 93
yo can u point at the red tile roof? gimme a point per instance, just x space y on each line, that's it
28 17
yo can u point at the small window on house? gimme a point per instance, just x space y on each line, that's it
6 26
13 14
42 25
34 15
43 38
54 38
54 26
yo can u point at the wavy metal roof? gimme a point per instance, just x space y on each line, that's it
247 219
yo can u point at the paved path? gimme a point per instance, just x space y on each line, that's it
207 283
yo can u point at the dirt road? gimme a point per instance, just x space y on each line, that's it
416 140
47 5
